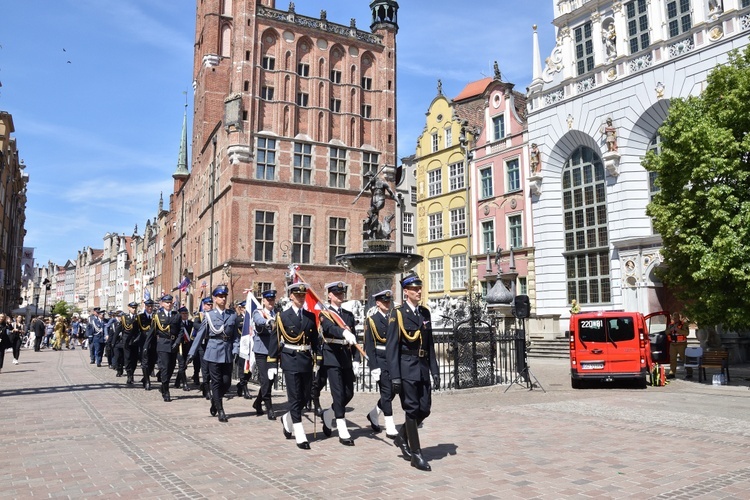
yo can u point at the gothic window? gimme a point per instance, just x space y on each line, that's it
265 163
264 229
369 163
585 227
302 163
638 30
584 48
679 19
301 238
336 238
337 168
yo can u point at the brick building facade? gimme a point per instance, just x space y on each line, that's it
290 112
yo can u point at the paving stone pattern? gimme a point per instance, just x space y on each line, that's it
70 429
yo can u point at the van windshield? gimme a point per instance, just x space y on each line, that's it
606 330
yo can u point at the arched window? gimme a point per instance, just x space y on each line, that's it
226 40
586 235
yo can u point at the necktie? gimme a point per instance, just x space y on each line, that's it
299 314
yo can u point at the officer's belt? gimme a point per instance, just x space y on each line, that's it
302 347
169 337
415 352
223 337
380 347
334 341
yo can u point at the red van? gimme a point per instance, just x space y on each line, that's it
609 345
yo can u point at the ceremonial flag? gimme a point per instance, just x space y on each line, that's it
146 295
293 276
248 332
184 284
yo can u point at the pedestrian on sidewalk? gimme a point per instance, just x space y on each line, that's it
5 328
49 332
38 328
16 336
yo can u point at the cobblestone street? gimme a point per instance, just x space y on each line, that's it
73 430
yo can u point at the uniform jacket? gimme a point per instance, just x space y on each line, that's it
403 354
337 354
222 331
166 329
131 332
144 323
115 331
376 337
263 329
95 327
290 329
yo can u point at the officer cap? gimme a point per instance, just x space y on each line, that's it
411 280
297 288
269 294
207 300
242 303
148 302
134 305
336 287
112 312
97 310
119 312
220 290
182 309
384 296
166 298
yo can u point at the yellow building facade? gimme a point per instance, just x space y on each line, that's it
443 216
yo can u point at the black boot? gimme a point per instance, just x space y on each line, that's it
258 407
129 381
185 385
222 415
240 384
416 452
146 380
246 392
269 409
401 441
165 392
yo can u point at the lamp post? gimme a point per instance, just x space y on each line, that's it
227 270
47 288
463 141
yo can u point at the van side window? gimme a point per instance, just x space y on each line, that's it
591 330
621 329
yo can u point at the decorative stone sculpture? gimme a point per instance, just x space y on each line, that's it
609 37
611 135
535 164
372 228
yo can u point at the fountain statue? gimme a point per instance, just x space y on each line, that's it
376 262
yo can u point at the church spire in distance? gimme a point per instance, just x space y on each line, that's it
182 158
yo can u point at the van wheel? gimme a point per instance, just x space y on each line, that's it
576 383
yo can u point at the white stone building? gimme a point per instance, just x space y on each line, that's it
624 61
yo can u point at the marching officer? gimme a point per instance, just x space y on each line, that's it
130 338
205 387
109 338
294 343
166 330
221 327
338 360
147 343
182 346
96 334
115 331
263 321
410 354
376 330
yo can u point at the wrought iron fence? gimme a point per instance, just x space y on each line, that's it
468 355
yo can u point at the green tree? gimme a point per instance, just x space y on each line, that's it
62 308
702 210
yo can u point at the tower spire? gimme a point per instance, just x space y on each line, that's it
536 81
182 158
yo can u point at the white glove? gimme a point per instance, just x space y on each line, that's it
355 367
349 337
272 373
375 374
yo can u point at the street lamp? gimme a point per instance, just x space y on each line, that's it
463 141
47 288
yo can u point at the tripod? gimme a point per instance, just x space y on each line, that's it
524 372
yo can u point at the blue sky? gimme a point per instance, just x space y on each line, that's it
96 90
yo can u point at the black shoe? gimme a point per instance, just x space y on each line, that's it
223 416
166 396
347 441
326 430
246 392
213 410
239 389
303 446
129 381
258 408
98 365
89 363
177 384
271 413
287 434
196 380
419 462
147 384
186 387
375 427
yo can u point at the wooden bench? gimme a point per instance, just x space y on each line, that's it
714 359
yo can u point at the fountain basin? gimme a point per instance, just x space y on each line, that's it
378 263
